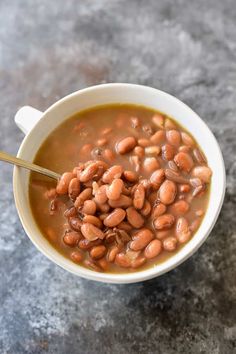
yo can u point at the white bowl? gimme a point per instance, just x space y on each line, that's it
39 125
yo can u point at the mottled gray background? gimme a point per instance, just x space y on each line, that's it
51 48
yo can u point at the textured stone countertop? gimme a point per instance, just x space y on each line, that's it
51 48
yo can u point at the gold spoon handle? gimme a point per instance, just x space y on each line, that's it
30 166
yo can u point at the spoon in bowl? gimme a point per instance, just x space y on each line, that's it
28 165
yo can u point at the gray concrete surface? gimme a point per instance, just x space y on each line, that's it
51 48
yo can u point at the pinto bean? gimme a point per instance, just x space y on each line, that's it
123 202
153 249
91 232
162 234
89 172
173 137
184 161
146 209
139 197
86 244
130 176
184 188
180 207
102 262
126 145
124 225
169 124
141 239
89 207
134 218
150 164
76 256
86 149
168 152
175 176
195 225
172 165
157 177
158 120
104 208
91 219
122 260
112 253
75 223
202 172
187 140
72 211
108 155
152 150
100 194
115 217
84 195
167 192
63 183
158 209
158 137
138 262
72 238
199 157
143 143
170 244
112 173
74 188
183 232
114 190
184 148
135 161
164 221
97 252
101 142
93 265
139 151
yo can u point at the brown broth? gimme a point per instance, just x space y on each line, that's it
60 152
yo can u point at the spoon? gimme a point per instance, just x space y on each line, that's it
30 166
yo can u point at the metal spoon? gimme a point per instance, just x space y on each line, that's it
30 166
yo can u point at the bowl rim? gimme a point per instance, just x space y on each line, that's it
120 278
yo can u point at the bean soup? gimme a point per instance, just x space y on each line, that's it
134 188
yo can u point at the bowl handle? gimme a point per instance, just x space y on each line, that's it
26 118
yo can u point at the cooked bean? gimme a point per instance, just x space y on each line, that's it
104 208
139 151
91 232
130 176
184 188
138 262
63 183
86 244
88 173
97 252
184 161
106 131
169 244
199 157
84 195
146 184
126 145
134 218
108 155
146 209
135 161
101 142
187 140
169 124
152 150
89 207
115 217
150 164
100 194
184 148
173 137
202 172
72 211
124 225
123 202
164 221
147 129
195 225
175 176
139 197
153 249
183 232
74 188
143 143
114 190
122 260
167 192
112 253
172 165
91 264
168 152
86 149
102 262
180 207
112 173
76 256
103 216
158 120
158 209
75 223
141 239
157 178
72 238
161 234
158 137
91 219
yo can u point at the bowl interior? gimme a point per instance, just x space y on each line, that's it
120 93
